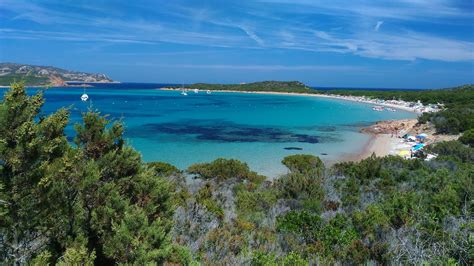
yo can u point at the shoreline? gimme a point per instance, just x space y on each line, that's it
338 97
381 144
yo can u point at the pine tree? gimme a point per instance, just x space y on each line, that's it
28 143
94 202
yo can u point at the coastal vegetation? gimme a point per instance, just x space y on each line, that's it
382 210
265 86
457 117
97 202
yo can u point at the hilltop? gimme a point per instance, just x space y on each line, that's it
34 75
276 86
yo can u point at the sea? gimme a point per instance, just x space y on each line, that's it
259 129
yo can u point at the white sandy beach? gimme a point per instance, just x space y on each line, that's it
339 97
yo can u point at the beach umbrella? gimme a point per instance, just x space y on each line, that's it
404 153
423 135
420 137
418 147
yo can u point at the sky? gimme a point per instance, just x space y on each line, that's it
353 43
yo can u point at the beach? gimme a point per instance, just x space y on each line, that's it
338 97
384 135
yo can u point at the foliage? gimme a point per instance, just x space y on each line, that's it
205 198
304 164
278 86
97 203
303 182
468 137
223 169
453 150
30 80
93 203
459 102
163 169
458 95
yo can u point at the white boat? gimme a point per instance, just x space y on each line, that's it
183 92
391 109
196 91
378 108
84 97
208 92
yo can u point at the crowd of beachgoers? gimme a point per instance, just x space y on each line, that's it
416 107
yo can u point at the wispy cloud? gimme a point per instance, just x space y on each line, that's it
252 35
352 27
258 67
378 25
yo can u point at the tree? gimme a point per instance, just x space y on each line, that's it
28 143
112 198
95 202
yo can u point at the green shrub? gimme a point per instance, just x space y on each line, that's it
468 137
304 164
453 149
204 197
254 204
300 222
223 169
293 259
263 259
300 186
163 169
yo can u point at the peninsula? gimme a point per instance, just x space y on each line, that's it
33 75
262 86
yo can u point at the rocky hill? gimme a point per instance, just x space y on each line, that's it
45 75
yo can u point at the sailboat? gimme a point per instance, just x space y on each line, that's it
183 92
84 96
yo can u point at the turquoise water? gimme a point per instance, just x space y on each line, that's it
255 128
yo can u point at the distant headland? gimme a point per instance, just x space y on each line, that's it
263 86
33 75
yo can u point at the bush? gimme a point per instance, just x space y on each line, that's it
263 259
293 259
454 149
163 169
300 186
304 164
300 222
468 137
204 197
253 204
223 169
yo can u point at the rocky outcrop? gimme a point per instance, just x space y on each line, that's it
45 75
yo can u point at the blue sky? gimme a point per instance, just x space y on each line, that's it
396 44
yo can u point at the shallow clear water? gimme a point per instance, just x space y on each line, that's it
255 128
